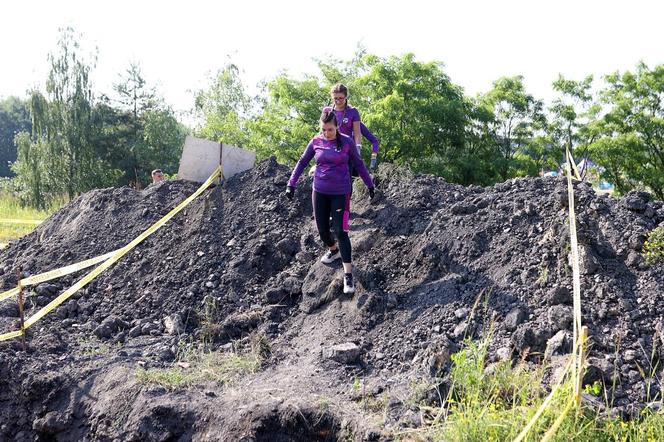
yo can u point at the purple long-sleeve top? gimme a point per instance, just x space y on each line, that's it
345 119
332 175
366 133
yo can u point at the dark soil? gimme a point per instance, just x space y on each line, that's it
435 263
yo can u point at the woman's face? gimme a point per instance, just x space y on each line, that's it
329 130
339 99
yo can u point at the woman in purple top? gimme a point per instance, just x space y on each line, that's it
350 122
331 190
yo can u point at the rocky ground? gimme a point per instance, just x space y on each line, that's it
436 263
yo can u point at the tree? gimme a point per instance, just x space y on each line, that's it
571 113
516 115
628 140
14 118
224 108
133 93
62 130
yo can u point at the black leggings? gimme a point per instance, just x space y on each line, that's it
337 207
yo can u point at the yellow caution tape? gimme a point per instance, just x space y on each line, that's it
10 335
552 431
56 273
119 254
580 333
47 276
21 221
9 293
544 404
576 273
570 162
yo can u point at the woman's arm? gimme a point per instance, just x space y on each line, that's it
360 167
307 155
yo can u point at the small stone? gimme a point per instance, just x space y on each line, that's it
461 313
514 318
346 353
173 324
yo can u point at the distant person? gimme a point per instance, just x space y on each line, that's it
350 122
331 189
157 176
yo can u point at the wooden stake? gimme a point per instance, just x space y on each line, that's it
20 310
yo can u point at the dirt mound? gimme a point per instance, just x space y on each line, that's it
240 266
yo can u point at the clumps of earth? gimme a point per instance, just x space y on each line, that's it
236 276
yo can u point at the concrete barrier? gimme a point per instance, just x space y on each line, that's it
200 157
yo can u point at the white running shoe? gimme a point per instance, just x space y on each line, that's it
330 256
349 285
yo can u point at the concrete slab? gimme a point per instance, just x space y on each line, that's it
200 157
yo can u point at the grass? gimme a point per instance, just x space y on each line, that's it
11 208
494 402
194 366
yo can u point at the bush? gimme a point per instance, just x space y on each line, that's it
653 249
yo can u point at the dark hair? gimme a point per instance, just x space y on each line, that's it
156 171
339 89
330 117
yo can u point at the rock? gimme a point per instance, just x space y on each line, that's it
636 241
526 337
463 209
52 423
598 369
136 331
629 355
588 261
274 296
322 284
634 260
560 316
559 295
503 353
460 330
514 318
558 344
461 313
173 324
47 289
636 201
292 286
346 353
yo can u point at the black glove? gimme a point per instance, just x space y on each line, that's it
372 192
373 164
290 190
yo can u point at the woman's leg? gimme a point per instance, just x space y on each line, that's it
340 206
322 209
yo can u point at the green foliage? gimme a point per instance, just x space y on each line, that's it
494 402
14 118
516 117
653 248
629 137
60 158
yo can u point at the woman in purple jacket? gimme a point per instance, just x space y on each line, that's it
350 122
331 190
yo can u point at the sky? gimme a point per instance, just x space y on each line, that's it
180 44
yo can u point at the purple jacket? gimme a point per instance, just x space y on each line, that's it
345 119
332 175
